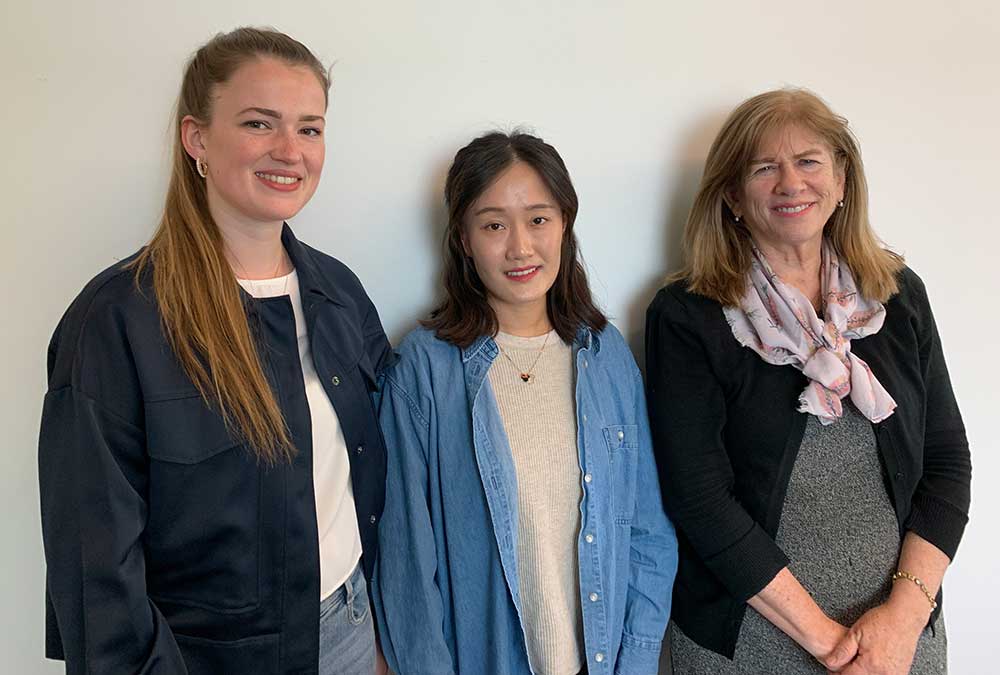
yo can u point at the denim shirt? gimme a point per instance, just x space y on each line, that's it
446 585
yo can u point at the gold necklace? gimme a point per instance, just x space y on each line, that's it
526 375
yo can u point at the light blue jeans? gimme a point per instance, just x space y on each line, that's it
346 632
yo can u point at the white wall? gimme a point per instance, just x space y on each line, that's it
630 92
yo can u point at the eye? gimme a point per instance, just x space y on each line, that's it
312 131
493 226
257 124
539 220
762 170
805 161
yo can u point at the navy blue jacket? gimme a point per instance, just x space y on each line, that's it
170 548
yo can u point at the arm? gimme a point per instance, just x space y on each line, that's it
407 599
653 559
91 478
687 417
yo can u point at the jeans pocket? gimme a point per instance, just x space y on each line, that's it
357 599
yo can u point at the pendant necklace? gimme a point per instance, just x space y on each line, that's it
526 375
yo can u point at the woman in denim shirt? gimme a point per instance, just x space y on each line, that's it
523 529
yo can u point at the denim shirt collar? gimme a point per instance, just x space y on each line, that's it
586 338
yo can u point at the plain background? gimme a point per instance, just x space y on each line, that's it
631 93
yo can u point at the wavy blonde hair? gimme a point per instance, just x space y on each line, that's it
717 248
203 317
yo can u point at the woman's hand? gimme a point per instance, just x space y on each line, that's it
882 642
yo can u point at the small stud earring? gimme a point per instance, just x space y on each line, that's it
840 204
736 218
202 167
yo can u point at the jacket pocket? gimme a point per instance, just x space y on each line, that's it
258 654
202 537
623 449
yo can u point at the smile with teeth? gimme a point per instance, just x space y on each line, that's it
280 180
792 209
521 273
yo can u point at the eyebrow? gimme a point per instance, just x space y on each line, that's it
497 209
267 112
768 160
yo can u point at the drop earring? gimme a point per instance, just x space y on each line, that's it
202 167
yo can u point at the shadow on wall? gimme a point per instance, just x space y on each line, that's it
690 163
435 222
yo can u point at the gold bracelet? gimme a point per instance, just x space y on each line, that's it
900 574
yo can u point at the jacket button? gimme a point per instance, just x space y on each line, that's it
360 449
372 520
335 380
899 475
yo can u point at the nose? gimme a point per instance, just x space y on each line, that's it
286 147
518 242
789 181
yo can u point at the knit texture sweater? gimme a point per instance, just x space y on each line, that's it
539 417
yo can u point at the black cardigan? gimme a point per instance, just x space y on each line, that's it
726 432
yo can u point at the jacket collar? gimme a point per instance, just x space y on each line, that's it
312 283
586 338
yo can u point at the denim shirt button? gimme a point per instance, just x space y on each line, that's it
585 363
587 478
621 435
599 656
585 419
589 539
594 597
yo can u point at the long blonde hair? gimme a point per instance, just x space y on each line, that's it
717 248
203 317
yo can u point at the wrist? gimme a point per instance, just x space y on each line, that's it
910 607
824 638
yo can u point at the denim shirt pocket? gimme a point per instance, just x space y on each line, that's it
202 536
623 451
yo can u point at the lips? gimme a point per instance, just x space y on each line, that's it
283 181
522 273
792 209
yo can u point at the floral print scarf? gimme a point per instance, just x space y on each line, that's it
779 323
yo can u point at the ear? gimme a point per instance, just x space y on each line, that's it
194 136
732 199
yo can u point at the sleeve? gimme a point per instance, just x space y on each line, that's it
91 479
407 600
653 560
939 509
376 343
687 417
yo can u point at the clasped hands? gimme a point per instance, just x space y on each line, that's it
881 642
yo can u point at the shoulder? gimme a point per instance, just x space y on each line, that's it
420 353
613 344
674 303
95 327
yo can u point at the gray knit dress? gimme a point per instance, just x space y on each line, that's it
840 532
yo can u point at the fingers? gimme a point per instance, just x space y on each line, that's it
843 653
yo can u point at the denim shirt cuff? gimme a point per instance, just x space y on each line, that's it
639 656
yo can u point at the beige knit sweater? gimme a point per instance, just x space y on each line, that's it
540 420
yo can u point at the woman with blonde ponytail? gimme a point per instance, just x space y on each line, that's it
211 469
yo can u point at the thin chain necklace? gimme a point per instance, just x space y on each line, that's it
526 375
253 282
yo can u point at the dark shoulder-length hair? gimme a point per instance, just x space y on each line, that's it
465 314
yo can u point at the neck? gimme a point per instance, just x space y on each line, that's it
798 265
529 321
253 249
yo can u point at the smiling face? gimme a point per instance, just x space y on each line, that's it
790 190
264 145
513 232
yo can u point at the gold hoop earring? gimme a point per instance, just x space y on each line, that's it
202 166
